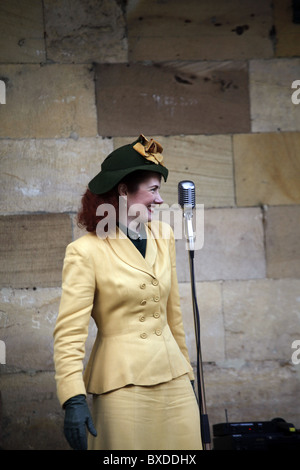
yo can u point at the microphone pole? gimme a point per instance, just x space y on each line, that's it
186 199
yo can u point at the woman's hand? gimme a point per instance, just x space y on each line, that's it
77 418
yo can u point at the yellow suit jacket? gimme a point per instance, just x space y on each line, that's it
136 307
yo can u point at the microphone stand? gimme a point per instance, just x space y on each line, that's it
204 422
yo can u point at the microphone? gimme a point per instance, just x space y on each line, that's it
186 200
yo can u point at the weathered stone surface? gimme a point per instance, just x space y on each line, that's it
196 30
172 98
48 175
261 319
206 160
233 247
272 108
282 241
27 321
252 391
22 32
48 101
267 168
32 418
85 32
32 249
209 299
287 32
28 390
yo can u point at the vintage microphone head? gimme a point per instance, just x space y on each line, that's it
186 194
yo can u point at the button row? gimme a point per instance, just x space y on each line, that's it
158 332
154 282
156 299
156 315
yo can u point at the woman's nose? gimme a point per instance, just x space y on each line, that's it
158 199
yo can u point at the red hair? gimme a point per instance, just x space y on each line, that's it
87 218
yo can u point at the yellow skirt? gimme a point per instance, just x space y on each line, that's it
159 417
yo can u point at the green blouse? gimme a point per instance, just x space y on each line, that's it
139 240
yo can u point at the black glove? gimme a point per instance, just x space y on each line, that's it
77 417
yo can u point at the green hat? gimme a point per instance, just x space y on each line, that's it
140 155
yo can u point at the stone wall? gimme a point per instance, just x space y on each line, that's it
212 81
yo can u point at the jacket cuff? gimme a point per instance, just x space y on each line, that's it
70 389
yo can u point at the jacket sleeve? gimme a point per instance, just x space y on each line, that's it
71 329
174 313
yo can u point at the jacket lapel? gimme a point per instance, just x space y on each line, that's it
128 253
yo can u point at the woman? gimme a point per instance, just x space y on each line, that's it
123 274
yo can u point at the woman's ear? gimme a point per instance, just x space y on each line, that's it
122 189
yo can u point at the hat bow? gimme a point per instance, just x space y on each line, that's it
151 150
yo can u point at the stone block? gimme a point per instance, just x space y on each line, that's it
85 32
26 324
22 32
48 175
287 32
261 319
32 249
48 101
209 300
271 92
252 391
32 418
194 30
233 247
206 160
27 321
267 168
172 98
282 242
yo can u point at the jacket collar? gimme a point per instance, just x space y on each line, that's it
127 252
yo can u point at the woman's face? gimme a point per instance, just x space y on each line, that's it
140 204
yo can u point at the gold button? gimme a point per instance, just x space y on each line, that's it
156 315
143 335
143 286
142 318
158 332
143 302
155 282
156 298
